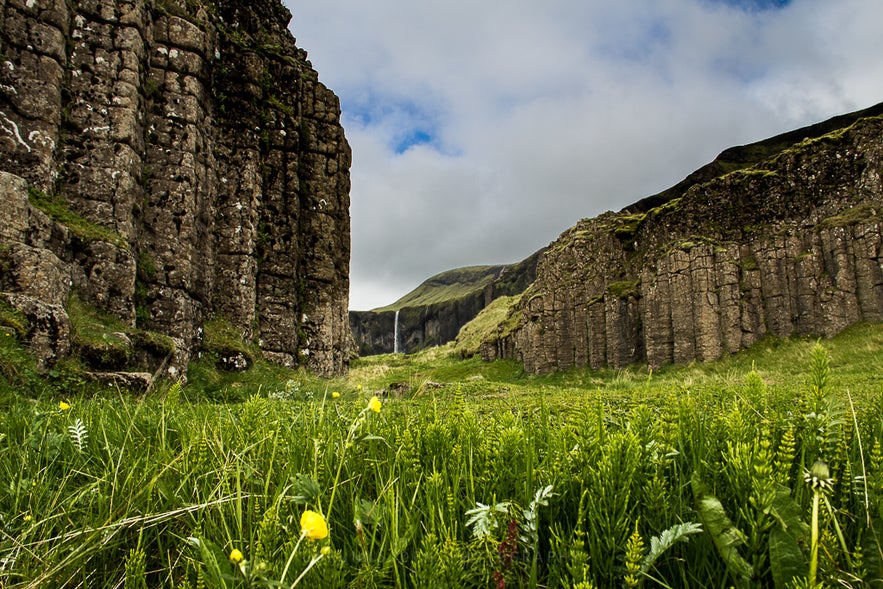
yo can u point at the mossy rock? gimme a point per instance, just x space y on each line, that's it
226 344
99 339
57 209
628 226
624 288
866 212
113 352
154 343
12 321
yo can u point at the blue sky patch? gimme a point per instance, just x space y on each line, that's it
755 5
410 123
412 137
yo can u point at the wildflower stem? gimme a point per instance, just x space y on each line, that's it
351 434
861 453
313 562
840 536
290 559
814 542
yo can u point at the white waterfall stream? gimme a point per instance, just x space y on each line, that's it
395 335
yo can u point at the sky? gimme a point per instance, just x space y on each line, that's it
483 129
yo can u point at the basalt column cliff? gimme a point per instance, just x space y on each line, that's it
781 238
172 163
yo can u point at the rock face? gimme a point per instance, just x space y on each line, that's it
194 142
433 313
787 245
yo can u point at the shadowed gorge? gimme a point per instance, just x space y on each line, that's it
433 313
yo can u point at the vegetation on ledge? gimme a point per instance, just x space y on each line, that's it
57 209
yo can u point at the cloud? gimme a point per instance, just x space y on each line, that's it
481 130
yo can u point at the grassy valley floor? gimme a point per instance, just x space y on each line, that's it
764 469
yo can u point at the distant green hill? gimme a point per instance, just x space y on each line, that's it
433 313
447 286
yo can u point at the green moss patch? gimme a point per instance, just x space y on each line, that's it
628 226
865 212
624 288
99 339
12 322
223 341
80 227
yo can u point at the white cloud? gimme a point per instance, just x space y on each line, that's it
538 114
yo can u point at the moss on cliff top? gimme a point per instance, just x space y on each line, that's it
866 212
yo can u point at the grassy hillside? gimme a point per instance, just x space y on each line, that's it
477 475
447 286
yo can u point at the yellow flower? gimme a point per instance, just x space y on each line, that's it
359 388
326 550
63 406
313 526
374 404
28 517
236 556
335 395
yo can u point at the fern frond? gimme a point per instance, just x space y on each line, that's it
79 435
667 539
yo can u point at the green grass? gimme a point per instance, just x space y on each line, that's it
113 490
447 286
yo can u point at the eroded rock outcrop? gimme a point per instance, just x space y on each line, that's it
179 160
789 245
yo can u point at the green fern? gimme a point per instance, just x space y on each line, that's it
79 435
659 544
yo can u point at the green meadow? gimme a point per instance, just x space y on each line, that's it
764 469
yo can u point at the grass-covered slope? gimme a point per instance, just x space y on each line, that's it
447 286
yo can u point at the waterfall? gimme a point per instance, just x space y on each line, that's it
395 335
